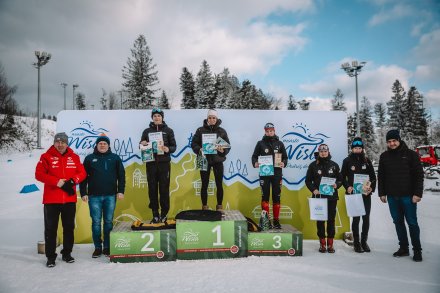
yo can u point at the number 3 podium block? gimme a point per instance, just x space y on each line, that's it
284 242
217 239
141 246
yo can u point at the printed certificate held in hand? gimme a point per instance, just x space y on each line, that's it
326 186
265 165
156 140
208 143
360 183
146 152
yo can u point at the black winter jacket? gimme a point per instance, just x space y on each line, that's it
196 143
168 140
400 172
357 164
105 174
270 145
323 168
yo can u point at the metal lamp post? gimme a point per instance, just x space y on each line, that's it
42 59
353 70
74 86
64 85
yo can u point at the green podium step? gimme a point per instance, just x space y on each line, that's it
286 241
210 240
127 245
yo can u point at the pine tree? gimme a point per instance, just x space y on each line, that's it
204 89
140 76
112 103
351 128
163 101
338 103
292 104
187 87
380 113
80 101
225 87
304 104
367 128
103 100
395 106
415 127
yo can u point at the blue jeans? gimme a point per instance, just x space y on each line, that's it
401 208
102 207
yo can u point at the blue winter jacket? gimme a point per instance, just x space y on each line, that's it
105 174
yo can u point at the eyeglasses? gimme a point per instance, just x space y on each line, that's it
357 142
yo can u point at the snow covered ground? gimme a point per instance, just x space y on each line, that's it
23 270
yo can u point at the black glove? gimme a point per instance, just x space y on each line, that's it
68 187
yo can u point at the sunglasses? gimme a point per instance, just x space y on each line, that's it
357 142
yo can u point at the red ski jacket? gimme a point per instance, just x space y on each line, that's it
54 166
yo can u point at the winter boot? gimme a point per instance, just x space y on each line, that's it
163 219
205 207
97 253
219 208
417 255
403 251
50 262
322 248
68 258
106 251
155 220
330 248
364 244
276 224
357 247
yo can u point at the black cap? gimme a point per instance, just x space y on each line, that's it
157 111
357 142
393 134
103 137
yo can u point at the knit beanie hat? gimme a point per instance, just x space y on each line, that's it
61 136
212 112
269 126
157 111
357 142
393 134
103 137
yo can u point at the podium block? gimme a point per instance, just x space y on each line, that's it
208 240
286 241
127 245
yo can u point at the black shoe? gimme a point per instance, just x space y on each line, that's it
68 258
357 247
276 224
417 255
155 220
163 219
50 262
365 246
97 253
106 251
401 252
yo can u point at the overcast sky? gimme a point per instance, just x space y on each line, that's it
284 47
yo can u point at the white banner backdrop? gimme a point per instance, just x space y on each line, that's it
301 131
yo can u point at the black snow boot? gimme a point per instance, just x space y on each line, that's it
357 247
403 251
417 255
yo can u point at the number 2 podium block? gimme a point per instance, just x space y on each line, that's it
286 241
141 246
217 239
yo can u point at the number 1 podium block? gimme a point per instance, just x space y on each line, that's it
286 241
217 239
127 245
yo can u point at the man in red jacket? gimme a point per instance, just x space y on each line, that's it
60 169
